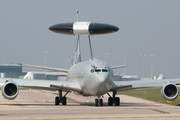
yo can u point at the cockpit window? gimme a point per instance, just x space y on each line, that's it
104 70
92 70
97 70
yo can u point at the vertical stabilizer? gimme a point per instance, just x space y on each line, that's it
77 56
28 76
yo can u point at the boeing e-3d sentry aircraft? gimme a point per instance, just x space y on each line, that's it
87 78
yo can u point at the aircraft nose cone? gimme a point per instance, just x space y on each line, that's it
100 28
103 84
103 78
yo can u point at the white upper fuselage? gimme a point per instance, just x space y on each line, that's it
95 77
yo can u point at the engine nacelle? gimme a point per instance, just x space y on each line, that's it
10 90
169 91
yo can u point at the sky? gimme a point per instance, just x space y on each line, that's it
146 27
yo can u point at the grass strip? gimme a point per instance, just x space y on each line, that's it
153 94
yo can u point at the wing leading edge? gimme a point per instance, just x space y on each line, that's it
117 67
137 84
45 84
48 68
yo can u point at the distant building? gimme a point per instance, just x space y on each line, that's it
11 70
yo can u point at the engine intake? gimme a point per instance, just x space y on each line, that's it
169 91
10 90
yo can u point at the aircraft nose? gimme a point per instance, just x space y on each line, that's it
103 84
103 77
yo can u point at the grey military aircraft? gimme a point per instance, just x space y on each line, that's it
87 78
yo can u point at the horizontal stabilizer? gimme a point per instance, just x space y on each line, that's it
48 68
117 67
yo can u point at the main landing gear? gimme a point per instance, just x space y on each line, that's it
113 99
60 99
98 102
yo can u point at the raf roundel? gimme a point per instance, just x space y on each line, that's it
83 28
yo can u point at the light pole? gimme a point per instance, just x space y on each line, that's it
45 57
125 63
137 67
106 56
65 55
143 55
45 60
117 60
4 57
12 59
165 68
152 66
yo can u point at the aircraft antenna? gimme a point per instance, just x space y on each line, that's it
90 47
77 57
77 11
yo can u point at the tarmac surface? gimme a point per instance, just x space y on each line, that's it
39 105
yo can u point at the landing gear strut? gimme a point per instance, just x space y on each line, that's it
113 99
98 102
60 99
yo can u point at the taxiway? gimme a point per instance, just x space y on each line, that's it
39 105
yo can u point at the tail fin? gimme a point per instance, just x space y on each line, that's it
77 56
161 76
28 76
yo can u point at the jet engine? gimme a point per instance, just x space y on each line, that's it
10 90
169 91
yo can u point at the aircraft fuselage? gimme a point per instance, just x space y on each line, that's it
95 77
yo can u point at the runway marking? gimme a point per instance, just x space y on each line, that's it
160 111
48 101
69 100
105 118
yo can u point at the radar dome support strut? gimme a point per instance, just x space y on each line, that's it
83 29
90 47
77 57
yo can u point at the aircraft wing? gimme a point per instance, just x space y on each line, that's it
44 84
116 67
48 68
136 84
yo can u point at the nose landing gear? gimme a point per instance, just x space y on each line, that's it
98 102
113 99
